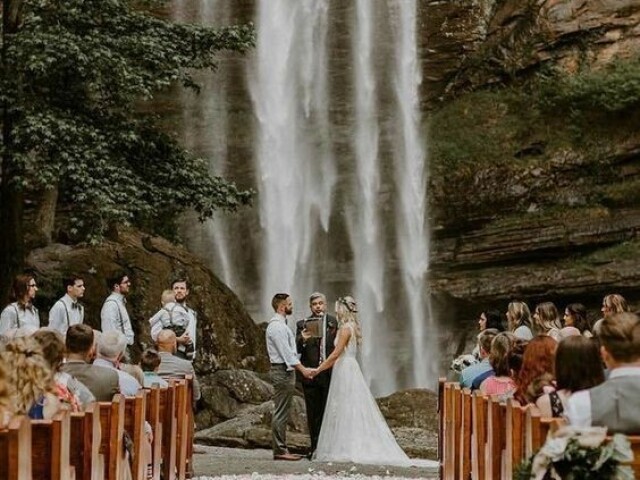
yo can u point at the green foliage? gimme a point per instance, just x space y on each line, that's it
71 78
613 89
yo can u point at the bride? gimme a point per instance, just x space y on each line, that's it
353 429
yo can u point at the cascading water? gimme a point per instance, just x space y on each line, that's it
293 155
411 169
364 218
328 133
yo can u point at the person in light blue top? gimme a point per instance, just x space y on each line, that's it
150 363
484 343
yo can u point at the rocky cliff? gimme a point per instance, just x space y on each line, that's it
535 152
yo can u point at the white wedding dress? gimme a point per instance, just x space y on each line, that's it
353 429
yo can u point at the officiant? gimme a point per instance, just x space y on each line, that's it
315 337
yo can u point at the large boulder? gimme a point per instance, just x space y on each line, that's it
227 336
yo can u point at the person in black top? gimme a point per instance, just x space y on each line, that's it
315 336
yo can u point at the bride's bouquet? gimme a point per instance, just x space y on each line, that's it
579 454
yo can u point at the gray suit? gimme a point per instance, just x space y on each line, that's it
101 381
615 404
175 367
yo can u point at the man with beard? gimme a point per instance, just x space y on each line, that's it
114 314
314 347
281 347
177 316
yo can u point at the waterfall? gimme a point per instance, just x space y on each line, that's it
411 170
293 152
364 219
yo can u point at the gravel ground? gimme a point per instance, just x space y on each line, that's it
240 464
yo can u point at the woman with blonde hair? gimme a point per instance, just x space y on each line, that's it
519 320
5 398
353 429
546 320
612 303
30 379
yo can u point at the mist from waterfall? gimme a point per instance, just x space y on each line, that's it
293 154
411 170
364 216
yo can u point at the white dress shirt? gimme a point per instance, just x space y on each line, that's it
281 343
64 313
114 316
16 315
578 410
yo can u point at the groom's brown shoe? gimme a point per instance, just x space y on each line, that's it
287 456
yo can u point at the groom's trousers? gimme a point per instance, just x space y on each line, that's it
284 386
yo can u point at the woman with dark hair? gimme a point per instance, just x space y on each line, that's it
575 315
578 366
491 319
21 313
538 367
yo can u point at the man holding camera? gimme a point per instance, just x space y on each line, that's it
315 336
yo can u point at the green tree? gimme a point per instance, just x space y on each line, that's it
72 74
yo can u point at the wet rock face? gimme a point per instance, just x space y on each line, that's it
227 336
469 44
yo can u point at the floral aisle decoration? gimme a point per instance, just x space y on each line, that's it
572 453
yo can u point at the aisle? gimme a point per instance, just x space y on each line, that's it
238 464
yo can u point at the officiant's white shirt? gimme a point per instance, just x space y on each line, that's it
281 343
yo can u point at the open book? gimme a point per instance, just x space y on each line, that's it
314 327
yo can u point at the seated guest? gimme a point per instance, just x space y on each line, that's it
575 315
6 410
546 321
112 346
150 362
69 390
569 332
578 367
613 404
30 379
611 304
500 383
536 374
519 320
469 374
172 366
102 382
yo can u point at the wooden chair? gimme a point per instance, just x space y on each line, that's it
635 446
50 440
479 407
191 425
84 449
515 436
440 408
169 430
15 450
134 418
182 406
112 441
466 424
496 439
152 415
536 431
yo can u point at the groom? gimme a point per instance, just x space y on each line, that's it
313 350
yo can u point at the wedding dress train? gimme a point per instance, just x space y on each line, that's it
353 429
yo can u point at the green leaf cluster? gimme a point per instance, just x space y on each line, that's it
71 78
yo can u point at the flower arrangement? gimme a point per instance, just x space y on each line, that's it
572 453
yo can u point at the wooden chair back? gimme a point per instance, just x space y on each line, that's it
84 449
15 450
479 412
496 438
515 436
183 404
153 417
440 408
50 448
112 442
464 450
191 424
169 430
134 418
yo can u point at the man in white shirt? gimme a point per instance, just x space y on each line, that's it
67 310
114 314
177 316
281 347
613 404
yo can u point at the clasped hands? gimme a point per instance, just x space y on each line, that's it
309 373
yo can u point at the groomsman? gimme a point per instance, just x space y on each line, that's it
21 312
281 347
114 314
314 350
68 310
